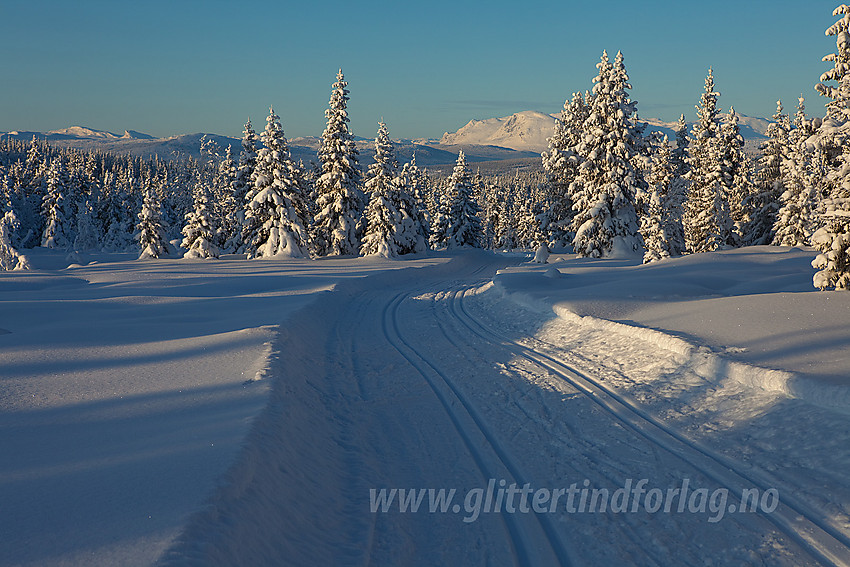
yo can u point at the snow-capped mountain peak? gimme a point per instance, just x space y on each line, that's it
83 132
523 131
530 130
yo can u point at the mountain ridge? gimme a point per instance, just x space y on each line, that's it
521 135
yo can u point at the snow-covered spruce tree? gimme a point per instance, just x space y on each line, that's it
275 217
707 220
801 171
382 214
440 214
339 199
86 237
10 258
679 154
832 141
239 188
32 182
55 207
150 230
418 187
561 163
661 225
199 230
463 223
392 226
224 208
838 108
737 175
606 183
762 204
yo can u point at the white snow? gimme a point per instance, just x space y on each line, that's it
227 411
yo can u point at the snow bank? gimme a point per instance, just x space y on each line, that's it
734 315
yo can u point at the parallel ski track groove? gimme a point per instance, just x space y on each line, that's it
419 362
810 538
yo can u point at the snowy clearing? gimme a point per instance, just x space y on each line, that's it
137 432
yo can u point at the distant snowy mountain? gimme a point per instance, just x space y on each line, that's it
428 153
523 131
79 133
530 130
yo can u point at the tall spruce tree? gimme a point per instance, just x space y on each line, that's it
737 180
339 199
607 181
762 205
795 219
199 230
661 225
463 221
239 188
55 207
276 216
838 107
832 145
707 220
561 163
150 230
392 225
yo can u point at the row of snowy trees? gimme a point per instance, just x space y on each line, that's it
260 203
612 189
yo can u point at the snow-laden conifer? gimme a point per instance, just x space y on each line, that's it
239 188
831 143
607 181
392 227
10 258
762 204
275 216
708 220
86 237
661 224
419 189
339 199
560 162
838 108
150 230
199 230
224 208
55 207
800 171
463 221
736 179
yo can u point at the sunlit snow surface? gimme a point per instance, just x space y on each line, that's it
193 412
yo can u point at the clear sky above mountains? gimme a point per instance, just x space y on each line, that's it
180 66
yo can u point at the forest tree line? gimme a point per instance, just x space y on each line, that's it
606 188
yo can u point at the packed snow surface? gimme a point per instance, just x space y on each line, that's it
234 412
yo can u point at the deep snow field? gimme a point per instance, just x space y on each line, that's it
234 412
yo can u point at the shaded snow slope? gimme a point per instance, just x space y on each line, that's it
126 389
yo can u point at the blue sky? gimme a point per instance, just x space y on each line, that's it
176 67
